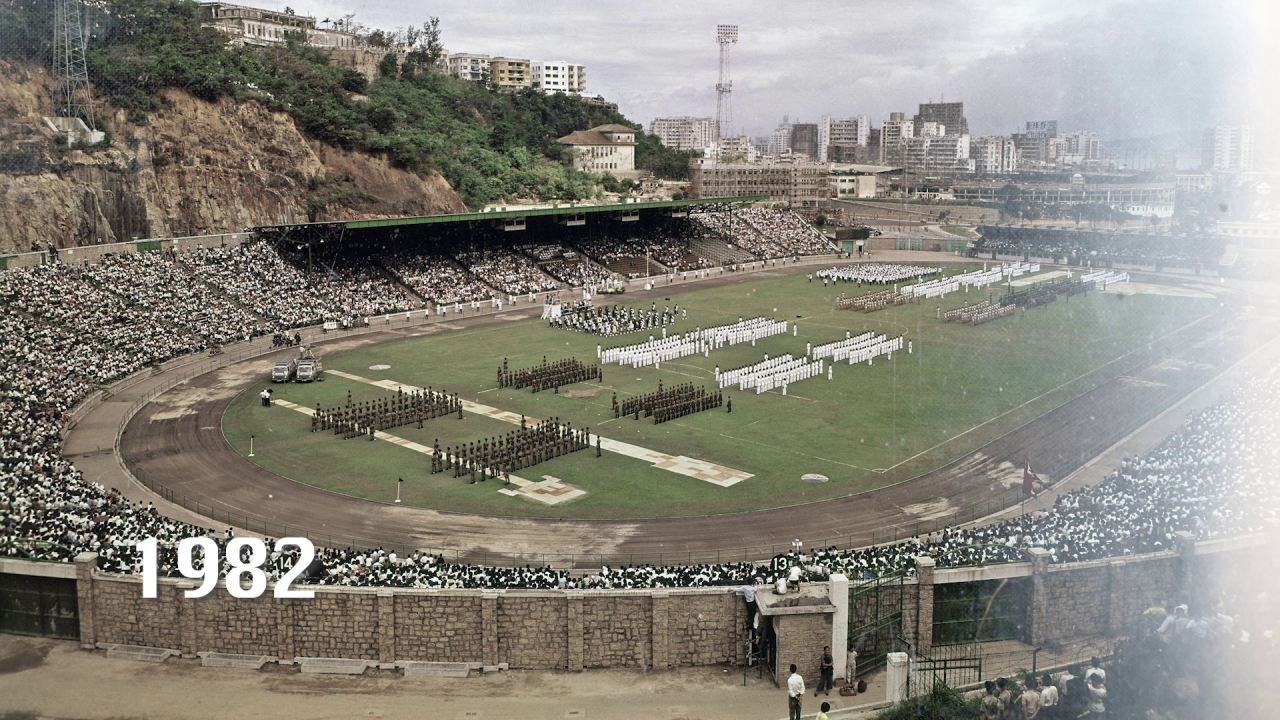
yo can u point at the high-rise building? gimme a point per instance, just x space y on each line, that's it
950 115
894 134
993 155
804 140
836 131
684 133
937 153
780 139
1227 147
559 76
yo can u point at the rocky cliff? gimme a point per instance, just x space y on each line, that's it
195 168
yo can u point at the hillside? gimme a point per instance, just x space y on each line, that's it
206 137
196 167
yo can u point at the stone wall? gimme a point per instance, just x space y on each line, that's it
801 638
527 629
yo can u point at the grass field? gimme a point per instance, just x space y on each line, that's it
868 427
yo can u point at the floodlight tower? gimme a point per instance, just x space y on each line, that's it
727 37
71 96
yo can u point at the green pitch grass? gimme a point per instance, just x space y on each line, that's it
870 426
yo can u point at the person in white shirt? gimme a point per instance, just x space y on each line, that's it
850 669
1048 697
795 691
1095 670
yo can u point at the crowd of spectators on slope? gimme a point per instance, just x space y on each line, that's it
508 271
437 279
1080 248
767 232
658 251
577 273
64 296
260 279
787 229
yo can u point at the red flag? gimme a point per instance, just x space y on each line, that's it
1029 479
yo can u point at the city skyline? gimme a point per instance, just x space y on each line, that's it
1123 68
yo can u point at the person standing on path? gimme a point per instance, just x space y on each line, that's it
826 679
795 691
850 668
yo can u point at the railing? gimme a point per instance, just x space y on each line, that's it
880 536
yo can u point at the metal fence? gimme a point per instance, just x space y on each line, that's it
879 536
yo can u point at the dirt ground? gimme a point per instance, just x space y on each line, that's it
42 678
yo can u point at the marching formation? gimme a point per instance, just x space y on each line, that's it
872 301
693 343
614 320
882 273
855 349
500 456
669 404
360 419
548 375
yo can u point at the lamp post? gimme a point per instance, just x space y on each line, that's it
399 482
250 446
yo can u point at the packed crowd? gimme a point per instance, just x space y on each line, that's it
577 273
435 278
632 256
1083 247
259 278
766 232
1212 478
507 271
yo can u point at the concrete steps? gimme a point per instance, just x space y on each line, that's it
333 666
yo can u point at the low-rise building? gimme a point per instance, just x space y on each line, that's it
604 149
468 66
246 25
802 184
510 73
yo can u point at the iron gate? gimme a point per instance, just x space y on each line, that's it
875 619
31 605
955 665
980 611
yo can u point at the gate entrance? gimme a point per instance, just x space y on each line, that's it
42 606
980 611
875 620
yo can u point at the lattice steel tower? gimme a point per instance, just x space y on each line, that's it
71 96
727 37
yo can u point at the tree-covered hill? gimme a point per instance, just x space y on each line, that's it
491 146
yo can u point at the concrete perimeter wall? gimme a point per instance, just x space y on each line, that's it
527 629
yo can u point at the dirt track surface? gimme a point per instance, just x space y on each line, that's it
177 440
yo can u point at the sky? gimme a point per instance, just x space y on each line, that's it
1126 69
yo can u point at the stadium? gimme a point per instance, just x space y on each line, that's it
600 436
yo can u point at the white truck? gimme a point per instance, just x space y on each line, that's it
309 367
284 369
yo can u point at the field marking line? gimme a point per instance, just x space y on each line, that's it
1043 394
679 464
551 491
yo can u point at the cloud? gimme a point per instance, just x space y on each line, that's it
1125 68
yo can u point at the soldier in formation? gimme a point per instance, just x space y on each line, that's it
364 419
548 375
518 449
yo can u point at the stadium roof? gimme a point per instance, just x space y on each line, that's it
518 212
